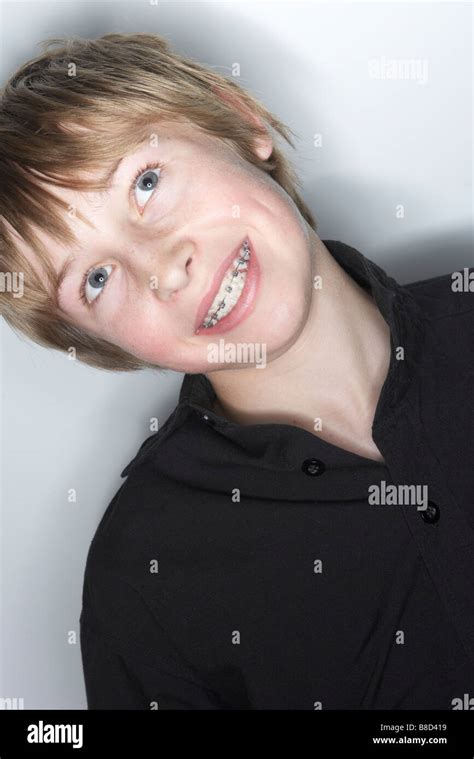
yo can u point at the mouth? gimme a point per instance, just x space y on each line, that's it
232 293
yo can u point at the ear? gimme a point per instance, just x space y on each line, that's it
263 145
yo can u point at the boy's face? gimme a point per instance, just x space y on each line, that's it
160 246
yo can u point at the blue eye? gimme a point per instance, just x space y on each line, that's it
145 181
96 282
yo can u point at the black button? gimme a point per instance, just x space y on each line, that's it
431 513
313 467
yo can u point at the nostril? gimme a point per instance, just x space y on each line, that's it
188 262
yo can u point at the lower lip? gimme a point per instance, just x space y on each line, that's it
244 305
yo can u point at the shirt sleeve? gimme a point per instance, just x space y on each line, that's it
111 682
130 658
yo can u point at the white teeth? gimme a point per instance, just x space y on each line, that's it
230 290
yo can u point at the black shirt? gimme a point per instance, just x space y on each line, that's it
248 567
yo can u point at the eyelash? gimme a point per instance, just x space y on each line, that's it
141 170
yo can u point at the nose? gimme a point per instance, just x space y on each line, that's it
165 274
174 277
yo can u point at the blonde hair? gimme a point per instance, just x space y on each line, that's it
120 84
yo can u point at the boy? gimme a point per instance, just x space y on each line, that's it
299 533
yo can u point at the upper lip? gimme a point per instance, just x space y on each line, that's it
206 302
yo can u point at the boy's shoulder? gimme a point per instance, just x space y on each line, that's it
445 296
445 308
140 538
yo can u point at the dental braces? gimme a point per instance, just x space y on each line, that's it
211 320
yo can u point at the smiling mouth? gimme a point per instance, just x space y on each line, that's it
230 289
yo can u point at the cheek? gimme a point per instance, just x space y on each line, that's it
162 347
224 189
165 351
145 339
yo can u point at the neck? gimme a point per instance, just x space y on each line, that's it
333 371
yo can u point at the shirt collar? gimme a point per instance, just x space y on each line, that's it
401 312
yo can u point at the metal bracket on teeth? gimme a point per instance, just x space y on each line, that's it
245 257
